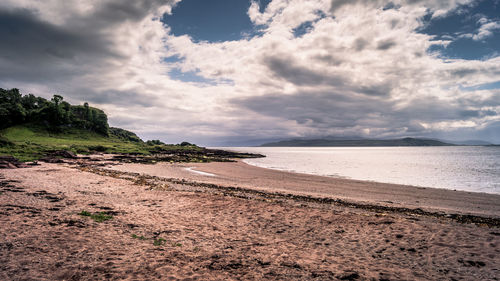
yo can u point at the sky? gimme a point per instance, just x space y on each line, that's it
241 72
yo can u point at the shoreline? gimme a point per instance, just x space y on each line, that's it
242 175
466 168
369 181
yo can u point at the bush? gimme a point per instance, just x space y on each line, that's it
5 142
124 134
154 142
98 148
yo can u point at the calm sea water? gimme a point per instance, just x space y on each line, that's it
461 168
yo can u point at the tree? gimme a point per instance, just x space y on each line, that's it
57 99
87 110
12 111
29 102
100 122
56 113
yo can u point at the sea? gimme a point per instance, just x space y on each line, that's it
467 168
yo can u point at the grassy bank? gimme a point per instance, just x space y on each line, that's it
31 142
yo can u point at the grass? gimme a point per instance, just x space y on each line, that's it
139 237
31 142
98 217
159 242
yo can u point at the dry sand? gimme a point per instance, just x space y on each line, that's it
179 231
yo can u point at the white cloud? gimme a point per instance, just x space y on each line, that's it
486 29
360 70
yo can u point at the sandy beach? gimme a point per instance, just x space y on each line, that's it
240 174
171 222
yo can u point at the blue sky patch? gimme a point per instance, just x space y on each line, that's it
307 26
213 21
263 4
172 59
486 86
189 76
303 29
461 25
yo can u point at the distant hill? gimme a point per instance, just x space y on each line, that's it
357 143
469 142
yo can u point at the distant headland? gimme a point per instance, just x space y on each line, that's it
357 143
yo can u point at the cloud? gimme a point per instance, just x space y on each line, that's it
284 67
486 29
360 68
385 44
37 50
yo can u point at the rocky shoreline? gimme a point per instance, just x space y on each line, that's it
202 155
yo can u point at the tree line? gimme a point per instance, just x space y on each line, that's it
56 114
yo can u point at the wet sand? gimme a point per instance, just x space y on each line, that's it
161 230
241 174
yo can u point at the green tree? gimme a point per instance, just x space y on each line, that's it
57 99
12 111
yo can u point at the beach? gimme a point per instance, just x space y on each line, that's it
88 220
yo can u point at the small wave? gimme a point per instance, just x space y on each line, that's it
199 172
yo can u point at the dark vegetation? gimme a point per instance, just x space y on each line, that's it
33 128
54 115
358 143
124 134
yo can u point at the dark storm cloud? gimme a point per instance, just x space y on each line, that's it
318 109
329 59
35 50
336 4
462 72
284 67
360 44
327 110
385 45
118 11
382 89
115 97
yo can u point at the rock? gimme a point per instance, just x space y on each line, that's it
348 276
8 158
9 162
52 160
7 165
63 154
